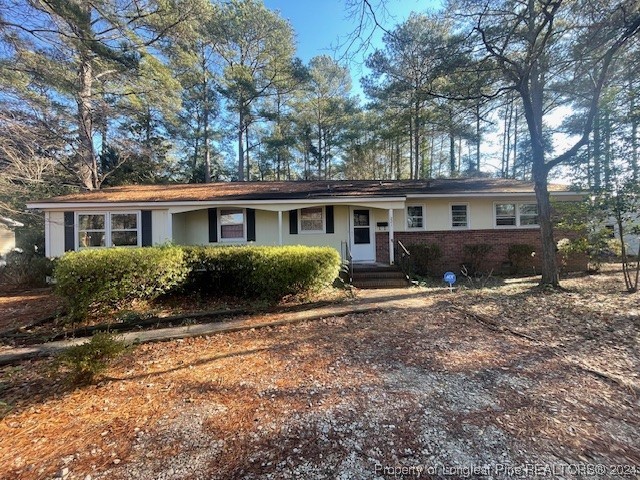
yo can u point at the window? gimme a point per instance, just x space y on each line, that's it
528 214
415 217
108 229
516 214
124 229
312 219
505 214
459 216
92 230
232 224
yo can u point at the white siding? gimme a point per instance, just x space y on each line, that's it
56 233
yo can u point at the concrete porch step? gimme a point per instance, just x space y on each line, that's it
378 276
381 283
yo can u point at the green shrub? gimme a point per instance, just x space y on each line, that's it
424 257
521 256
261 272
476 257
109 277
86 361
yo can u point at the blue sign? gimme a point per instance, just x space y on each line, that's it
450 278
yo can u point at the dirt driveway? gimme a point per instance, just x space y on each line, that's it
417 390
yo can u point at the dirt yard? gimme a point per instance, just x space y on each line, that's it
495 382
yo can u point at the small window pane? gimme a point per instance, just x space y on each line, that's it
91 222
91 239
361 218
124 238
414 217
311 219
361 236
459 215
506 214
528 214
505 221
231 231
506 209
528 209
231 217
124 221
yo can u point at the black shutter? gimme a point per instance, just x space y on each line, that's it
293 222
213 225
69 232
145 219
251 225
329 212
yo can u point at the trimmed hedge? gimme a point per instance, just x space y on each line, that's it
261 272
111 276
94 278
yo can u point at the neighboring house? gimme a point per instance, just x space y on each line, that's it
7 234
631 240
369 217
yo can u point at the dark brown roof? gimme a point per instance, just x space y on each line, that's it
298 190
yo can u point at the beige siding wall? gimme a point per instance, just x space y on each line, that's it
438 212
159 227
192 228
341 229
179 228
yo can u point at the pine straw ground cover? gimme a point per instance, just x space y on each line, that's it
425 383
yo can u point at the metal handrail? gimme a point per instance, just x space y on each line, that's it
404 249
347 260
403 258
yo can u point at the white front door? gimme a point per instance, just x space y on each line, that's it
363 248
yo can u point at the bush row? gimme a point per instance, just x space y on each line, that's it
425 258
109 277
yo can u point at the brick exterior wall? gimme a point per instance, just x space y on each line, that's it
452 245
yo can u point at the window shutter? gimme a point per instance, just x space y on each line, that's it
213 225
145 219
293 222
329 213
69 232
251 225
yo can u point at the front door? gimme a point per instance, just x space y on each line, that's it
363 247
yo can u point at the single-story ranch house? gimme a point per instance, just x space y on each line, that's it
369 217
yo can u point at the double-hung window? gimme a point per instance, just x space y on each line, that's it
528 214
232 224
460 215
505 214
108 229
415 217
516 214
312 220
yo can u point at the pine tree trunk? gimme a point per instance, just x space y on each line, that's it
87 163
241 145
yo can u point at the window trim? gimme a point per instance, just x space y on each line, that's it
107 228
518 224
466 204
516 209
313 232
244 226
424 217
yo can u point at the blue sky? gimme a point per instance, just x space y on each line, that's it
323 25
